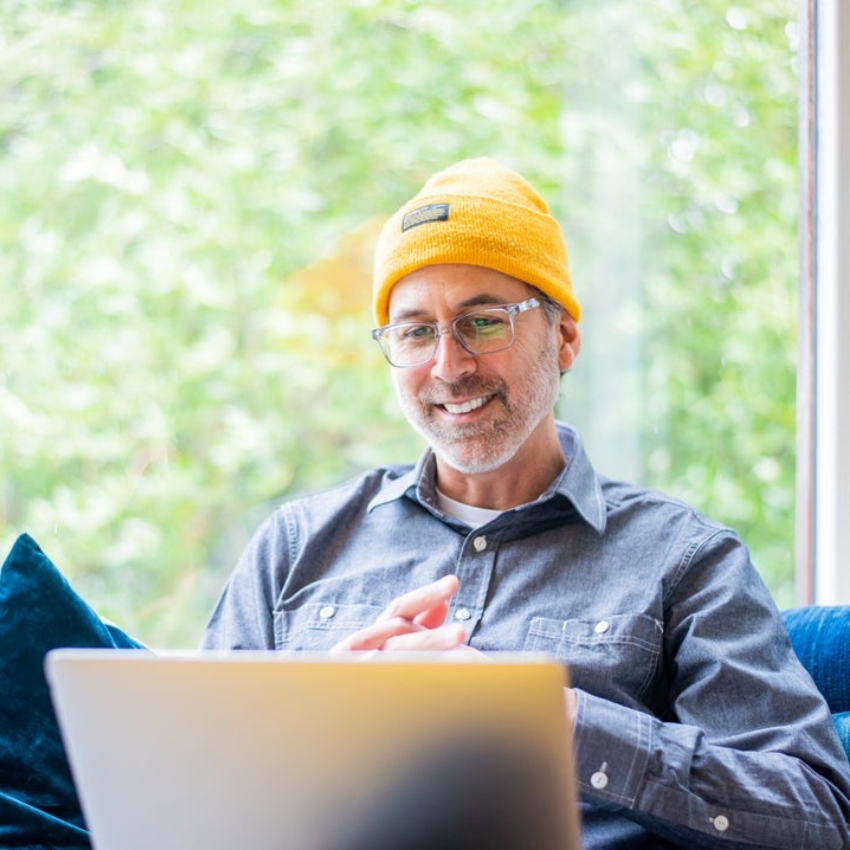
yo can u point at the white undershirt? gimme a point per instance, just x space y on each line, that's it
471 515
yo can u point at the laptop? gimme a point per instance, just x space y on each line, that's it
271 751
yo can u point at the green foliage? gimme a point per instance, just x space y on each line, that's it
190 196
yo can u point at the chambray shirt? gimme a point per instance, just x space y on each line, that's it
696 726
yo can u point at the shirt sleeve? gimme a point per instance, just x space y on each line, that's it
743 752
243 617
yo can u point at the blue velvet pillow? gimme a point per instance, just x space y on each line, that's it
820 635
39 611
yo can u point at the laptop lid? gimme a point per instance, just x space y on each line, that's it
269 751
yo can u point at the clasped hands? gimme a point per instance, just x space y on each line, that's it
415 621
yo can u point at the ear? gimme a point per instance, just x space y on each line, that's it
569 340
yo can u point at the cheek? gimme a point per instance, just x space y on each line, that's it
528 356
406 382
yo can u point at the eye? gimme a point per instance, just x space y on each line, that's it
415 333
481 324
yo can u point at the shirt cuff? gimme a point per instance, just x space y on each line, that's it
612 748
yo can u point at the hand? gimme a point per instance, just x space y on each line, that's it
413 621
570 706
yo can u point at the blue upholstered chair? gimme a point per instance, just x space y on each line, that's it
820 635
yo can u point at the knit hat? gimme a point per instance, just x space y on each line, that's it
481 213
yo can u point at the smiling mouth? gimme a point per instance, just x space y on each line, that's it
467 406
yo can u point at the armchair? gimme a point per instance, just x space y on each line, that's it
820 635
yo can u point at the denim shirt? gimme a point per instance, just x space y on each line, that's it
696 725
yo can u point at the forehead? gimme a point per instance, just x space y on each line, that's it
447 289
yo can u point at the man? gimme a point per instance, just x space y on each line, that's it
694 725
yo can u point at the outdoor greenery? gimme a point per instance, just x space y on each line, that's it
190 196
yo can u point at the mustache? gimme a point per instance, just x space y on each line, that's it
470 387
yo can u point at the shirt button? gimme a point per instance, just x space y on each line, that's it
480 543
327 612
601 627
599 780
462 614
721 823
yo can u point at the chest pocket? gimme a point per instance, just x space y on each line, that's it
614 657
319 625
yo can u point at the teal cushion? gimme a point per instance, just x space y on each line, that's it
820 635
39 611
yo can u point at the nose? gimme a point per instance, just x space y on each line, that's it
451 360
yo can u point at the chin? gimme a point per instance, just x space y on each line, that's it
475 462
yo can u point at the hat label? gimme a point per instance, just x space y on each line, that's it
422 215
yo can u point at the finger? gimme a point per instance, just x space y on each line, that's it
434 617
433 640
374 636
416 602
570 706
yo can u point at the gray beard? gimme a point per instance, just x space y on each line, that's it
466 448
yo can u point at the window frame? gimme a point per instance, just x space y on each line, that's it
823 390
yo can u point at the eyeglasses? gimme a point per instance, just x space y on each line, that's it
484 331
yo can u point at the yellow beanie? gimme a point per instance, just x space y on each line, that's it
480 213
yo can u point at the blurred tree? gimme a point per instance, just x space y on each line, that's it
190 199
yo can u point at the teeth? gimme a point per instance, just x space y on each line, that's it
466 407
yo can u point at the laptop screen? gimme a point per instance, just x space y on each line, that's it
269 751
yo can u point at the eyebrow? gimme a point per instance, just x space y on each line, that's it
482 299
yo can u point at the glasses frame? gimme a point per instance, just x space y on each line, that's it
513 310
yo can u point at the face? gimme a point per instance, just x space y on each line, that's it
476 412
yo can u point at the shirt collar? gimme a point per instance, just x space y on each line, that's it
578 482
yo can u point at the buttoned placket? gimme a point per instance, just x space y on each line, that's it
474 569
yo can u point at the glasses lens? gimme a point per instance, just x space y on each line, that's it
485 331
409 343
481 332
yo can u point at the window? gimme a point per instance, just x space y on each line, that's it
192 192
